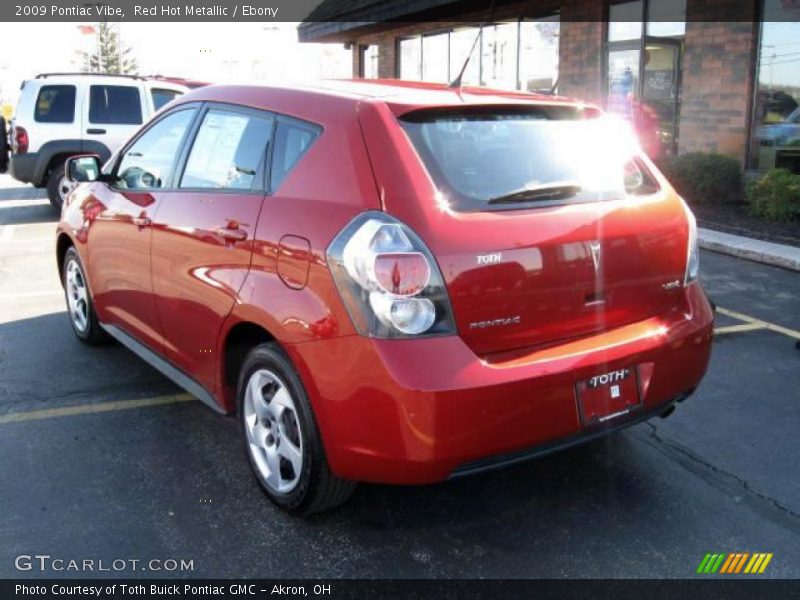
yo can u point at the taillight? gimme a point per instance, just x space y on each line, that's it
693 248
388 279
20 140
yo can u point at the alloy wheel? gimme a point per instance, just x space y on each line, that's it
77 296
272 426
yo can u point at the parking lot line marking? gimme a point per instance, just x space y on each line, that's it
764 324
738 328
88 409
31 295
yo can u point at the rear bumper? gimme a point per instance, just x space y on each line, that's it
22 167
420 411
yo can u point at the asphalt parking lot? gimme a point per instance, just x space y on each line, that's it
103 458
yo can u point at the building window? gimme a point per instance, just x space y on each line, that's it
776 114
643 58
461 42
369 61
538 55
517 55
410 66
499 55
435 57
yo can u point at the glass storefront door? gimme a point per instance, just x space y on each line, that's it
644 53
660 104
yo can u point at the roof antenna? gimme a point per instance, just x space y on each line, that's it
456 83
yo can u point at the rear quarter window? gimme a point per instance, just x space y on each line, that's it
292 140
55 104
115 105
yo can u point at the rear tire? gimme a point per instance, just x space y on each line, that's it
281 437
79 301
56 186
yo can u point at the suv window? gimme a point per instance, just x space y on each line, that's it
228 150
148 163
115 105
55 104
292 140
161 97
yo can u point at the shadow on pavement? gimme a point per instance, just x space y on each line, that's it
43 365
27 214
22 193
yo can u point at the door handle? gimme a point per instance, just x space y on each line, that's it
142 221
234 235
96 131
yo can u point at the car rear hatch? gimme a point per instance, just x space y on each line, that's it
537 243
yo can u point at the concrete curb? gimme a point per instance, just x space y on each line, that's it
767 253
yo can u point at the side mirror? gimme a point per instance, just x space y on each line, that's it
83 168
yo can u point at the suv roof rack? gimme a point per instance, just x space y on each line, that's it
92 74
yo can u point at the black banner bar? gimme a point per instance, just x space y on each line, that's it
342 11
399 589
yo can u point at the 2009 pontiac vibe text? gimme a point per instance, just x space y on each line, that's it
305 259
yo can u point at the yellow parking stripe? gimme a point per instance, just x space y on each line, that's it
763 324
88 409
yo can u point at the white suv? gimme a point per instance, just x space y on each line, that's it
63 114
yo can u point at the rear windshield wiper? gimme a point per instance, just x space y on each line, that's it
556 190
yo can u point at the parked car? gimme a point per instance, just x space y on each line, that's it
779 144
391 282
63 114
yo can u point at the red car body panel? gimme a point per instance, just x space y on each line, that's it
411 410
197 273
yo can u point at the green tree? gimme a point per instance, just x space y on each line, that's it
109 56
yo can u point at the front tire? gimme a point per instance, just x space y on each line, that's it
281 437
57 188
79 301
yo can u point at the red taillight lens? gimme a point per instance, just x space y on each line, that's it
389 280
20 140
402 274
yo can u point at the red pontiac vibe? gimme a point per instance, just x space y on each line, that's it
391 282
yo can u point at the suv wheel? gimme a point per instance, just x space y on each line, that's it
57 186
281 437
79 301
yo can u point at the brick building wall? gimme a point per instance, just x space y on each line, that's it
718 77
581 60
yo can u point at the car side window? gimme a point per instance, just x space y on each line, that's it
161 97
227 151
55 104
115 105
147 164
292 140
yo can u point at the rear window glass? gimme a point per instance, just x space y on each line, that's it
115 105
489 158
162 97
55 104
